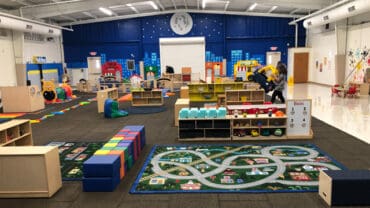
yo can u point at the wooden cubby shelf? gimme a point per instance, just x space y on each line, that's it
202 129
147 98
16 132
102 95
203 92
238 97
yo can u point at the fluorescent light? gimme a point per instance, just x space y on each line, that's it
272 9
133 8
153 5
106 11
204 4
252 7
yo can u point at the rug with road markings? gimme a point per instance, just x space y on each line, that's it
233 168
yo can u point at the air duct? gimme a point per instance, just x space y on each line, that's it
345 11
20 24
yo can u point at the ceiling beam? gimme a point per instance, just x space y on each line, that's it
67 7
295 11
186 4
183 10
311 4
89 15
174 4
160 5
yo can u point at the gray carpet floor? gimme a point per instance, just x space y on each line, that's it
85 124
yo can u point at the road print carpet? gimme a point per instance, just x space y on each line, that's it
232 168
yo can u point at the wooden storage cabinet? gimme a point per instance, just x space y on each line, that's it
147 98
204 129
242 127
238 97
16 132
29 171
22 99
202 92
102 95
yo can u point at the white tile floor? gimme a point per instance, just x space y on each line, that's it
351 115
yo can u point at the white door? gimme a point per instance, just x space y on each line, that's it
273 57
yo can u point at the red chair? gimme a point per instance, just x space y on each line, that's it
334 90
352 91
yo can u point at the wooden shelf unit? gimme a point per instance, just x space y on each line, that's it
16 132
204 129
261 123
203 92
29 171
238 97
147 98
102 95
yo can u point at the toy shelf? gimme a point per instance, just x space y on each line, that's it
16 132
203 92
242 127
147 98
102 95
204 129
238 97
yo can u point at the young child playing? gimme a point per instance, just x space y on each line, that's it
279 81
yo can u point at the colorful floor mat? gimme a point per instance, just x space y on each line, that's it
232 168
11 115
72 155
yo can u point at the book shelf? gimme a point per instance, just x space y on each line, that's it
147 98
102 95
238 97
202 92
16 132
204 129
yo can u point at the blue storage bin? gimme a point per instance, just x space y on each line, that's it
193 113
221 112
212 113
184 113
202 113
102 166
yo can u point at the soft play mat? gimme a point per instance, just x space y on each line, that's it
72 155
232 168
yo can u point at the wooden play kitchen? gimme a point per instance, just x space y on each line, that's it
251 122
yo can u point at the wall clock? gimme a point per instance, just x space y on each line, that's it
181 23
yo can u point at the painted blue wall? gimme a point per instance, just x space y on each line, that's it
227 36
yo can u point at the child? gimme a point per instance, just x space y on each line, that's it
280 81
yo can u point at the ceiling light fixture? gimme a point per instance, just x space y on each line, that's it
252 7
132 8
272 9
204 2
153 5
106 11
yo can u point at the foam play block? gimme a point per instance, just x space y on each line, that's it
127 144
106 148
141 130
136 147
119 138
137 138
102 166
125 151
101 152
110 145
130 162
100 184
121 153
345 187
115 140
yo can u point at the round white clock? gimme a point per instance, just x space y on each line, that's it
181 23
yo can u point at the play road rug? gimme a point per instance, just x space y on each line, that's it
72 155
232 168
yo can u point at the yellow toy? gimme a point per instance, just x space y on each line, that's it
245 69
269 71
48 91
